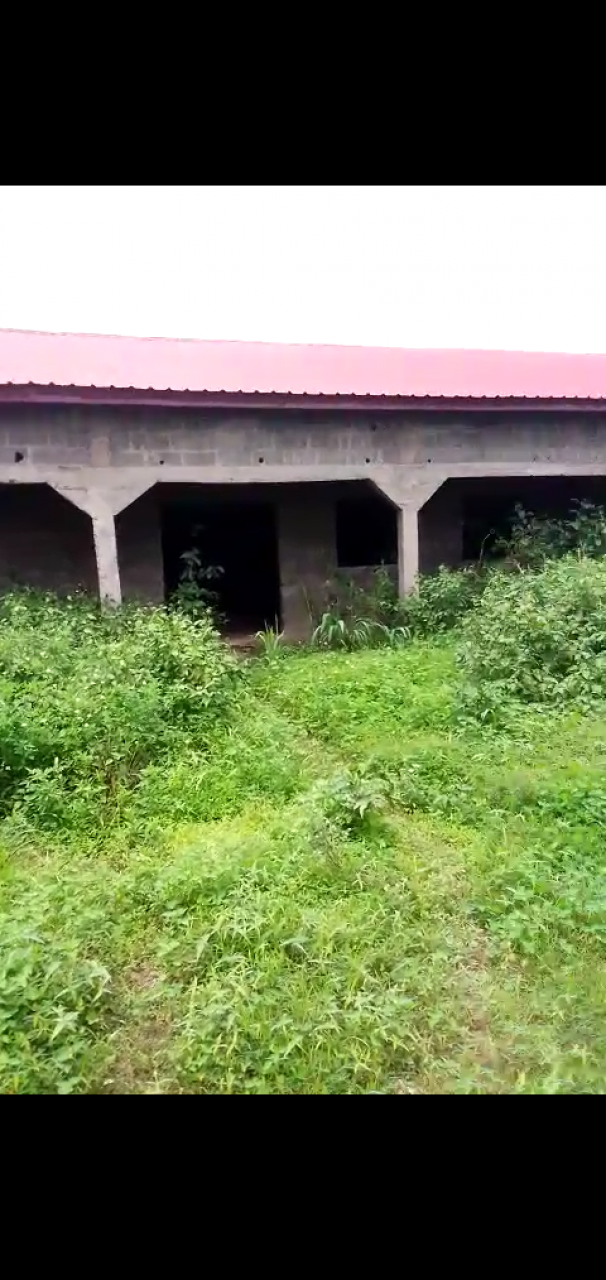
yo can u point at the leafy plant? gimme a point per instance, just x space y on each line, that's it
534 539
192 595
378 601
335 632
538 636
89 697
442 599
270 641
350 798
364 617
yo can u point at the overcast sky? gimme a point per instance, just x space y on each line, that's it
511 267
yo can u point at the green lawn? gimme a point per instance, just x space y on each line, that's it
343 893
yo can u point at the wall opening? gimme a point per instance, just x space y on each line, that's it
366 528
45 541
140 549
488 506
237 535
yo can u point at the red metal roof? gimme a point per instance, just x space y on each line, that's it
179 365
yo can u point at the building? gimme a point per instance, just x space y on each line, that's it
283 464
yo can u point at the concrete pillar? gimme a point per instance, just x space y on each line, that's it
102 505
106 552
408 548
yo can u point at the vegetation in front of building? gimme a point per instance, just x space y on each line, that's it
349 869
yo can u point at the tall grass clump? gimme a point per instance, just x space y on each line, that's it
375 616
89 697
538 636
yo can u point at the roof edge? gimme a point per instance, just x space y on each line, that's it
49 394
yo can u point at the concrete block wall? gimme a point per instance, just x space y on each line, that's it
441 529
307 547
139 540
206 439
85 436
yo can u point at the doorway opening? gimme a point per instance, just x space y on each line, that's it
236 539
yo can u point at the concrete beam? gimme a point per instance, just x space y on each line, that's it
406 487
400 482
116 496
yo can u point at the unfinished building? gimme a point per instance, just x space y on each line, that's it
283 466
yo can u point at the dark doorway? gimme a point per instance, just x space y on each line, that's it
239 539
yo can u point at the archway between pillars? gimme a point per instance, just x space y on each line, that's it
453 520
469 518
486 507
46 542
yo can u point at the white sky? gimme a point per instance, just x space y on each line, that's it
513 267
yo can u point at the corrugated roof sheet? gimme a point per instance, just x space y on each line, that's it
169 364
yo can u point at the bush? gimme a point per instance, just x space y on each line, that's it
442 600
538 636
89 697
370 619
536 539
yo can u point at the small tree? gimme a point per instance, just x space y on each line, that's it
193 595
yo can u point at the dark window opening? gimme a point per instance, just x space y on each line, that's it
489 506
239 539
367 532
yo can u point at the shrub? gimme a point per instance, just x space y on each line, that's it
55 987
538 636
367 618
536 539
377 601
442 600
91 696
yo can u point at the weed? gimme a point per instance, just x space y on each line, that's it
538 637
88 699
375 867
270 642
334 632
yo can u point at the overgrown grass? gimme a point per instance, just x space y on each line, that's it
311 873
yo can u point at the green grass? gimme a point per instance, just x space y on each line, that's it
339 887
